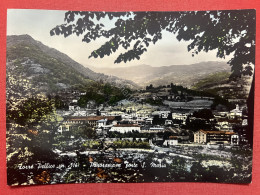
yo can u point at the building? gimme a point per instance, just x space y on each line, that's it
180 116
161 114
215 137
156 129
226 124
101 122
234 140
64 127
125 128
170 142
244 122
168 122
93 121
235 113
149 121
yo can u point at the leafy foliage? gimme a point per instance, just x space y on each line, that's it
131 144
83 131
30 111
106 94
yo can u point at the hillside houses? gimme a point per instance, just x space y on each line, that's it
227 124
152 121
232 114
176 113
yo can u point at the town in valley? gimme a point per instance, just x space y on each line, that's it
170 116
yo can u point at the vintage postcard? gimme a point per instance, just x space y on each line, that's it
129 97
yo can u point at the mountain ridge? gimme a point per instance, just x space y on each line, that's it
17 39
185 75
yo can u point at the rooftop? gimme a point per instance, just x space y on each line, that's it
91 118
126 125
217 132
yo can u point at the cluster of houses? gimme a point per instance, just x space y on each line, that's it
137 116
140 118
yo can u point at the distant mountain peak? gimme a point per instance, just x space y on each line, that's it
23 36
20 38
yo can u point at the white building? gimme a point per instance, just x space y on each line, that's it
234 139
162 114
64 128
179 116
224 125
124 128
170 142
237 112
156 129
115 113
101 122
149 121
80 113
244 122
74 101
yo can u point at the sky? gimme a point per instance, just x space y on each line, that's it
38 23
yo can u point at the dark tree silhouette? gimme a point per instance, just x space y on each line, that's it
229 32
204 113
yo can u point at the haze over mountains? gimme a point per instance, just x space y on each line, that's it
185 75
60 70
